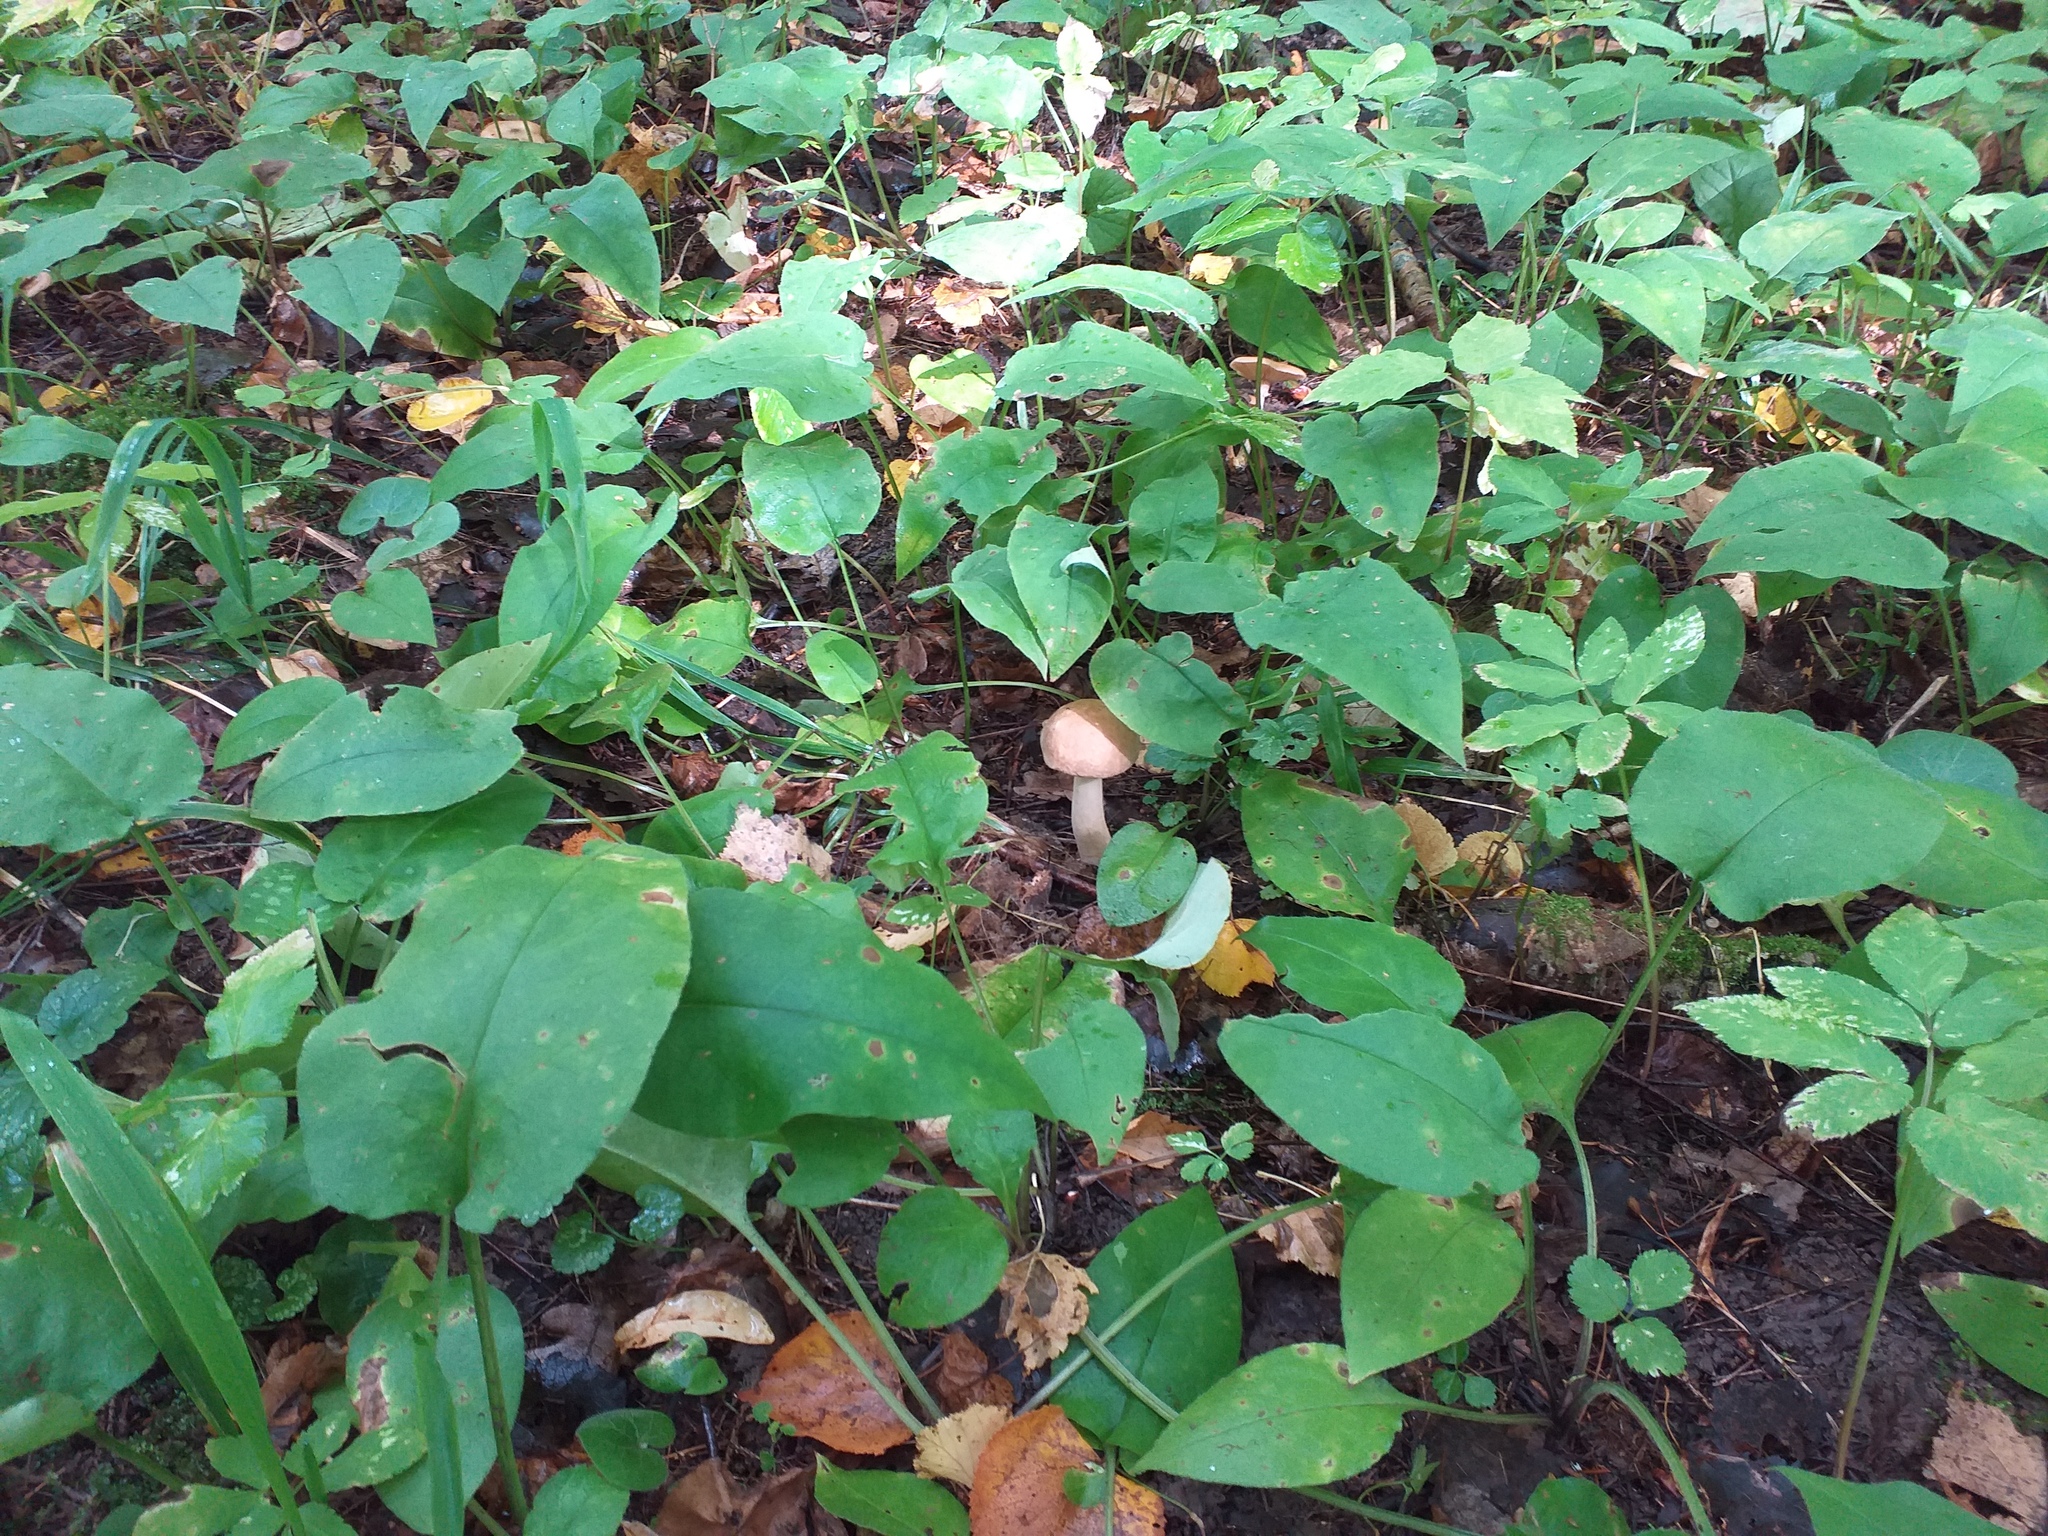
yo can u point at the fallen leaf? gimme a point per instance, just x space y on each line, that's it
514 129
630 166
898 474
766 847
1231 964
962 1378
1145 1141
601 832
708 1314
1045 1303
964 305
289 1383
782 1507
1314 1239
450 408
1980 1450
584 1335
1435 852
812 1387
1267 370
950 1449
600 313
706 1502
1210 269
726 231
125 863
1495 858
1020 1485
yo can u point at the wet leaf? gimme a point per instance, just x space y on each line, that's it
812 1387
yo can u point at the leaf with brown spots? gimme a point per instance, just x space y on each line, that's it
1045 1303
1020 1485
814 1389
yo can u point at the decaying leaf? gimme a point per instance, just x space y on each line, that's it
1981 1450
1268 370
1211 268
1496 859
1313 1239
302 663
950 1449
1045 1303
450 408
708 1314
812 1387
963 1378
706 1502
1231 964
964 305
1435 852
765 847
1020 1485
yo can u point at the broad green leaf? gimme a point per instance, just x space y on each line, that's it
577 1501
1792 246
505 1041
1658 1278
257 1002
625 1446
987 590
806 494
1382 465
1292 1417
1659 290
1422 1273
1816 515
1143 872
565 581
1886 153
1091 356
890 1503
1638 164
1367 628
1489 344
1993 849
1272 316
995 89
429 88
416 754
1366 381
1768 810
353 285
643 362
1597 1288
2006 613
383 865
937 798
1668 650
939 1258
1549 1061
1990 1153
1857 1509
1521 405
1648 1345
82 761
1989 488
841 666
1399 1097
65 1326
207 295
2005 1321
1844 1104
837 1159
1568 1506
1088 1058
1343 965
1528 161
391 605
1835 997
602 227
1011 252
1322 847
1180 1345
815 363
1167 694
1782 1030
793 1011
1061 585
1161 293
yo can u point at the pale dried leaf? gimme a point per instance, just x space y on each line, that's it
708 1314
950 1449
964 305
1313 1239
704 1502
1435 852
1045 1303
302 663
1495 857
1981 1450
765 847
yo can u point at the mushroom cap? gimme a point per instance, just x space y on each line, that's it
1084 739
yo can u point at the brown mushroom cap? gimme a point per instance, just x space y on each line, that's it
1084 739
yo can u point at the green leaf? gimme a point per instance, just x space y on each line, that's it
1272 316
416 754
1399 1097
1529 161
1366 381
1792 246
1521 405
505 1041
1549 1061
625 1446
793 1011
602 227
1087 1057
82 761
1144 871
1422 1273
1658 1278
2005 1321
577 1501
1322 847
208 295
939 1258
1382 465
1856 1509
1990 1153
2006 613
1919 959
1343 965
1837 998
1157 293
1989 488
1993 849
66 1328
837 1159
1061 585
890 1503
643 362
1638 164
938 799
1597 1288
1649 1346
1768 810
1568 1506
1886 153
383 865
1010 252
996 89
1180 1345
1844 1104
1659 290
1091 356
806 494
987 590
815 363
1489 344
273 717
1292 1417
1167 694
392 605
578 1247
1782 1030
1367 628
258 1002
841 666
353 285
1814 515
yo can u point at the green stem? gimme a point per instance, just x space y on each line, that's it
494 1386
1657 955
1673 1462
867 1310
483 1518
1124 1378
1870 1327
177 891
135 1456
1392 1517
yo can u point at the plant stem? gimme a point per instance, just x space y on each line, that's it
1870 1327
135 1456
483 1518
1635 996
177 891
494 1386
1673 1462
867 1310
1124 1378
1392 1517
1571 1132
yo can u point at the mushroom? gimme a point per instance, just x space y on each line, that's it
1084 739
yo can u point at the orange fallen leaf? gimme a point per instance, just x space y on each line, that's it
601 832
812 1387
1495 858
1020 1485
302 663
708 1314
1231 964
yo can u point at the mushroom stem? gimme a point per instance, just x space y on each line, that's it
1091 827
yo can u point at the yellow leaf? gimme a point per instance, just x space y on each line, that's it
1210 269
1434 850
1231 964
62 397
449 406
899 474
1494 857
951 1447
1779 412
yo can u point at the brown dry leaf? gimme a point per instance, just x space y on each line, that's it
1045 1303
1145 1141
950 1449
1231 964
964 305
289 1383
630 166
1431 840
1020 1485
707 1502
450 408
1267 370
766 847
812 1387
963 1378
600 313
1980 1449
708 1314
1495 857
1313 1239
582 1333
